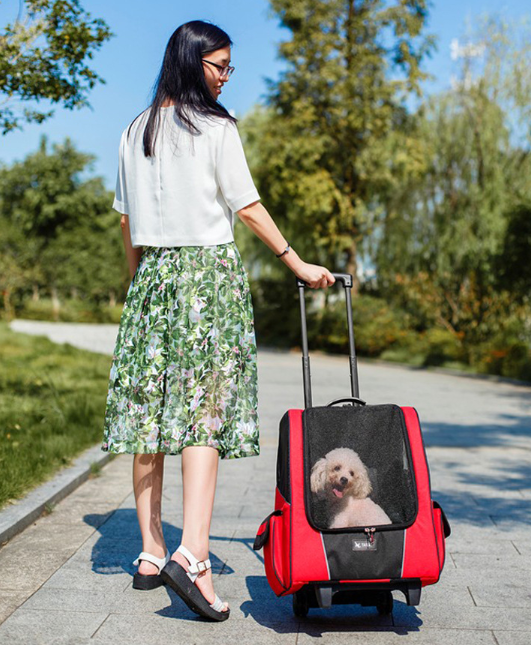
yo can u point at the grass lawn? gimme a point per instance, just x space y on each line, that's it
52 402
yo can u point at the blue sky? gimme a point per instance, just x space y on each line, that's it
130 62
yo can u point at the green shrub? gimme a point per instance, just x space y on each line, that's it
442 346
377 326
70 310
510 359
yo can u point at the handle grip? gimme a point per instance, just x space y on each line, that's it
344 278
353 401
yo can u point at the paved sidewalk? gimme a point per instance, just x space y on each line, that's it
67 578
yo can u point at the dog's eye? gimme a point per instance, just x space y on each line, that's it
337 468
351 473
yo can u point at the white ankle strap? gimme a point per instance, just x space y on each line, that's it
158 562
196 566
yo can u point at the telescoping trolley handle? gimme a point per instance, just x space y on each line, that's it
345 279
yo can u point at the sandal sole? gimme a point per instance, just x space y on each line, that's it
146 583
175 577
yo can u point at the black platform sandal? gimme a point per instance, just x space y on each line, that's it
182 582
147 582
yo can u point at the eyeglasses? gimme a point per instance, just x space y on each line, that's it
225 71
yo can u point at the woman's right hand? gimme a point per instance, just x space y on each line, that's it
317 277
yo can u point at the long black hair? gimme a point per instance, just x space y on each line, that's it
181 79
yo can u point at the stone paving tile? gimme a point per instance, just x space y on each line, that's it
462 530
190 629
47 533
28 569
40 627
473 577
72 600
522 547
68 512
481 546
508 594
508 522
513 638
477 618
9 601
424 636
82 575
484 562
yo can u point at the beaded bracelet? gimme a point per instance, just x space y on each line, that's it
286 250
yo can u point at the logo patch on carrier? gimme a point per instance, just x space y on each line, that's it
364 544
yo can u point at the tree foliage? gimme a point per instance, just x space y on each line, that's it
43 56
453 238
351 64
58 230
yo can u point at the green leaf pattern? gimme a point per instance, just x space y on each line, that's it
184 368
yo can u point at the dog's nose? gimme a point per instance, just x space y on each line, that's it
344 481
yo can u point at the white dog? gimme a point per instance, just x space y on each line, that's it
343 480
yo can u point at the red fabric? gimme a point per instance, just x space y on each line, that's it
308 560
275 581
421 559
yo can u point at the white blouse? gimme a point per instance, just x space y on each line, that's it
187 194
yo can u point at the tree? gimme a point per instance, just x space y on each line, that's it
351 66
58 231
445 230
43 56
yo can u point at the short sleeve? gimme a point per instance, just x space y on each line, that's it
232 172
120 196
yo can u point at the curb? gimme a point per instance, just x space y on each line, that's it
15 518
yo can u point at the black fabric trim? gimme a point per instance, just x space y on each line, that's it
446 524
346 563
262 538
283 459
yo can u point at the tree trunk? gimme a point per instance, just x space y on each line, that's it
112 298
56 305
35 296
7 303
352 267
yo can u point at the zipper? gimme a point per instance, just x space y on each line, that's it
370 535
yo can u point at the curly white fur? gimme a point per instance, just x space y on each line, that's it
342 478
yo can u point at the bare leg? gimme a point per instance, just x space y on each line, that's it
148 473
199 472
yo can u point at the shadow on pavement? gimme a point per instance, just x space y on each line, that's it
512 431
277 614
120 543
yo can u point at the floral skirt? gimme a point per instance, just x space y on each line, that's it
184 368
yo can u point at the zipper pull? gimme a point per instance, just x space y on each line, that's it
370 535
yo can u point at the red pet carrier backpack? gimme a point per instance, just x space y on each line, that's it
353 519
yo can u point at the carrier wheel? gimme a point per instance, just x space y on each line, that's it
385 603
300 603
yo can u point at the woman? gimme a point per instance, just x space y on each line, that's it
183 378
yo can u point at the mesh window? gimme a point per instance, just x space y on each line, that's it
358 470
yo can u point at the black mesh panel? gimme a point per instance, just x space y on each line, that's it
358 470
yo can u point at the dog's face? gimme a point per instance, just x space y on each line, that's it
340 473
